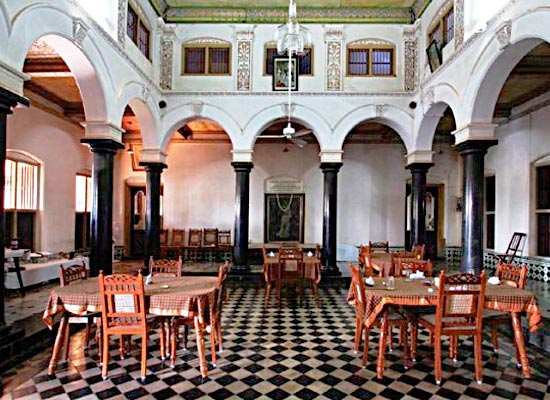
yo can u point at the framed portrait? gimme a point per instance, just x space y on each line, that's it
284 218
435 58
136 156
280 74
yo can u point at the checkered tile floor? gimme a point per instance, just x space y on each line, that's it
293 348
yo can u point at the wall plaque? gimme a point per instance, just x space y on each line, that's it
284 184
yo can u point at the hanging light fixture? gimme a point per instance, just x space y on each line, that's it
292 38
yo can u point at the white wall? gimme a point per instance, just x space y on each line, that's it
57 144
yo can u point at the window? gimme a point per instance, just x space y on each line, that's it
83 208
305 60
20 201
370 61
543 210
443 30
490 212
211 60
138 31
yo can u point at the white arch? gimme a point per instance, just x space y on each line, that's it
85 61
488 77
304 115
144 106
394 117
178 116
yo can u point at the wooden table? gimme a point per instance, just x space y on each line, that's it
166 296
311 266
415 294
16 255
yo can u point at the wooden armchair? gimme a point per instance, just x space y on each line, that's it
406 266
72 274
459 312
124 313
291 266
379 247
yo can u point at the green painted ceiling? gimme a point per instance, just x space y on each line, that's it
275 11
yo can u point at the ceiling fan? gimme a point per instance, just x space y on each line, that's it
290 133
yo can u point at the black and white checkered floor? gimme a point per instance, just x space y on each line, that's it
297 347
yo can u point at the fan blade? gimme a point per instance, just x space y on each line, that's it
302 132
298 142
271 137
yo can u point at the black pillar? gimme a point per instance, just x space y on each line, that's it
473 153
418 195
152 220
101 235
330 202
8 100
242 194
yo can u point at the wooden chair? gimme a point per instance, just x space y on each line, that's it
123 313
210 242
413 265
163 239
194 244
270 271
224 238
512 275
394 318
363 252
165 267
175 245
379 247
514 247
418 251
291 264
72 274
459 312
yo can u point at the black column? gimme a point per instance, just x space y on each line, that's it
330 203
152 220
101 235
242 194
418 194
473 153
8 100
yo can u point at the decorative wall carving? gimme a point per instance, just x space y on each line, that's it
504 34
334 37
371 42
145 93
410 36
379 110
121 28
245 36
459 23
197 107
285 108
166 58
80 31
428 99
206 40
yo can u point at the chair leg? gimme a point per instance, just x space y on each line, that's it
143 357
173 342
414 340
66 342
477 357
87 338
494 337
213 346
219 334
365 346
358 333
437 359
185 335
105 356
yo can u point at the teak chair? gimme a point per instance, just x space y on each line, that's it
72 274
394 318
291 264
514 247
511 275
413 265
194 243
165 267
379 247
123 313
459 312
176 243
418 251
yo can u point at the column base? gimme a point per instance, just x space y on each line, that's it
331 271
239 269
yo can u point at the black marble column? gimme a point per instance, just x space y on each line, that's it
418 195
330 203
101 235
8 100
473 153
152 220
242 195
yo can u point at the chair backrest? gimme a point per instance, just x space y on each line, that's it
165 267
358 288
364 260
516 245
379 247
291 258
224 237
418 251
195 238
223 269
512 274
122 300
72 273
414 265
318 251
210 237
163 237
178 238
460 301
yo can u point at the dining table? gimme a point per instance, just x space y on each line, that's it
190 296
421 292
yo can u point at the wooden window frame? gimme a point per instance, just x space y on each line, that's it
540 211
141 21
207 64
15 186
440 23
299 57
370 50
490 212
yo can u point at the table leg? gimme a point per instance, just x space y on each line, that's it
382 344
520 344
58 344
18 272
200 347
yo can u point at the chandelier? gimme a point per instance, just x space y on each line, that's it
291 38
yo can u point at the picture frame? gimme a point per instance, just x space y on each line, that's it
280 74
284 218
433 53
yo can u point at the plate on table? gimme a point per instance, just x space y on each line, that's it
165 286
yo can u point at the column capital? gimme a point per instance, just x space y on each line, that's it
153 166
475 146
414 167
242 166
102 130
102 145
9 99
242 155
330 166
475 131
152 156
420 156
331 156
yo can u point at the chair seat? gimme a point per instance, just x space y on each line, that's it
429 319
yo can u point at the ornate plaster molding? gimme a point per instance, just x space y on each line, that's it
197 107
121 22
459 23
331 155
245 37
410 36
80 31
206 40
371 42
380 110
284 107
334 37
145 93
504 34
167 56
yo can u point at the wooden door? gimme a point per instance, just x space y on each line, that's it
137 220
434 220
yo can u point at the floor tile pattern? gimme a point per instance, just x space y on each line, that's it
294 347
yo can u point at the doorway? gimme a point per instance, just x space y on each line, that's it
138 207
